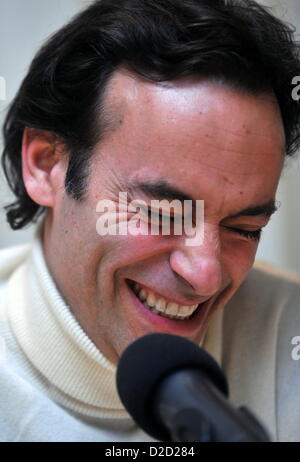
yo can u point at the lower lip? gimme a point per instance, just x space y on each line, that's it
182 327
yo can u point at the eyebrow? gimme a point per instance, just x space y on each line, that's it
163 190
160 190
264 210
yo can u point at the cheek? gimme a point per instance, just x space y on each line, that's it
133 249
109 256
238 257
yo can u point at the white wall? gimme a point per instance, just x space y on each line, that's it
24 24
280 241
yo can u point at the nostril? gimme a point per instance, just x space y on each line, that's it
184 281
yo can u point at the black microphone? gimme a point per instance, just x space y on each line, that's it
175 391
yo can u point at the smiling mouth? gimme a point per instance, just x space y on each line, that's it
162 306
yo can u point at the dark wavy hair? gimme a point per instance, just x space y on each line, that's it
236 42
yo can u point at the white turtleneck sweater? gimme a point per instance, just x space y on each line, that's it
55 385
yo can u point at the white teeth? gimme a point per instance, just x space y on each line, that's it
143 295
163 307
151 300
172 309
186 310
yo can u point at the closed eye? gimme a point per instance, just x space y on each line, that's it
251 235
160 218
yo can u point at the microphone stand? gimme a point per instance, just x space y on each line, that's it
204 414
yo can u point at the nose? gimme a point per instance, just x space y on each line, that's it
200 266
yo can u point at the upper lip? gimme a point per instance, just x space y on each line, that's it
172 299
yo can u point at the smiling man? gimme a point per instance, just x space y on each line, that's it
162 100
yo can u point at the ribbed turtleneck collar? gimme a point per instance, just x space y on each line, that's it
55 343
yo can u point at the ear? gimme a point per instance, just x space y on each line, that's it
44 165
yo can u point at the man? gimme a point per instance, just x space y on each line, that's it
185 100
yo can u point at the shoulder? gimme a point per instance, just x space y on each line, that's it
264 313
268 288
278 298
10 258
274 274
260 326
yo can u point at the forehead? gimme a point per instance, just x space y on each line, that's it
197 128
192 102
128 95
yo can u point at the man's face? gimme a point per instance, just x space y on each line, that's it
204 141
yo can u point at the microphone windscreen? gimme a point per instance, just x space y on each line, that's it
147 361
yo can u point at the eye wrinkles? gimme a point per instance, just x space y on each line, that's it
162 189
160 219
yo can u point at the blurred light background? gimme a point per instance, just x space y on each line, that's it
25 24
